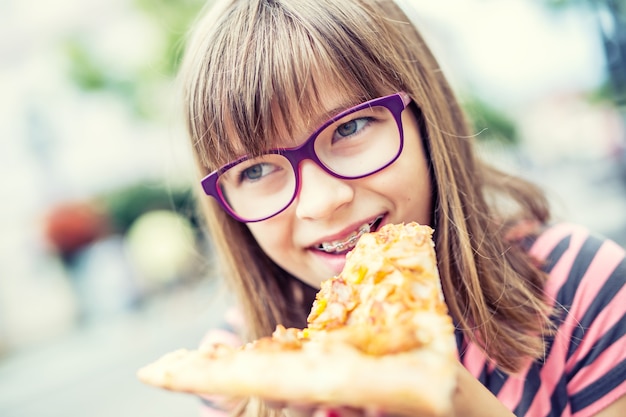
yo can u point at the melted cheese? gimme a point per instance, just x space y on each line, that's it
388 297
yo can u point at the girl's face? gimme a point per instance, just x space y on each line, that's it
311 237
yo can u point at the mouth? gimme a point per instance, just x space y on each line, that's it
345 245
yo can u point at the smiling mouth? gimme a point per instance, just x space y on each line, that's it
347 244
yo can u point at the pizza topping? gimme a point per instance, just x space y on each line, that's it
216 350
282 339
383 318
336 300
384 290
290 337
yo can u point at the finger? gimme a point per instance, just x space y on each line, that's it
300 410
374 412
290 412
338 412
325 412
377 412
276 405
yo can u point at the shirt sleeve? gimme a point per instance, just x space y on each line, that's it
595 364
227 334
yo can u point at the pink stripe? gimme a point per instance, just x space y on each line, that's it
567 411
604 402
511 392
474 360
612 314
553 368
607 259
549 239
600 268
601 365
560 271
542 401
555 364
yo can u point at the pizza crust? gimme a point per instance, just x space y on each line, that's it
378 336
333 374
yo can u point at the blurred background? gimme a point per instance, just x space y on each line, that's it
102 266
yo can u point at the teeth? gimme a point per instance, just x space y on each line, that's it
347 243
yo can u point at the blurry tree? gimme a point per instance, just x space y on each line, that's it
611 16
126 204
132 55
612 19
557 4
174 17
93 71
489 123
612 22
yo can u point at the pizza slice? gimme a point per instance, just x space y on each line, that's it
378 336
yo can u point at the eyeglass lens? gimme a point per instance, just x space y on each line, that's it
352 147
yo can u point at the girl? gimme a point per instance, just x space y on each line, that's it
315 121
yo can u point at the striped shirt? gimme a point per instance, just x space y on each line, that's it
584 368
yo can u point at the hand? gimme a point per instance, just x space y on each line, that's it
312 410
471 399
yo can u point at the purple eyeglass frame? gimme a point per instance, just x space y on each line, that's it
396 103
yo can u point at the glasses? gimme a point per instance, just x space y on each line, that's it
356 143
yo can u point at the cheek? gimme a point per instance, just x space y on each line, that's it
270 235
421 198
416 195
413 182
275 238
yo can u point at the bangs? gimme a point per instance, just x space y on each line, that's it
265 67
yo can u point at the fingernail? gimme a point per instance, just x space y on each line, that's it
373 412
326 412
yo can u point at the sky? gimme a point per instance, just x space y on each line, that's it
507 51
511 51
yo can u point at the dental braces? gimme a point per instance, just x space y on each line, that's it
339 246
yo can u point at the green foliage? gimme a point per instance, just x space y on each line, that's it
491 123
125 205
174 17
560 4
83 68
604 93
92 72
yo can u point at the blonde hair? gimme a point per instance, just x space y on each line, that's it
253 68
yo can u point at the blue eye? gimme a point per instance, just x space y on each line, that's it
350 128
256 172
347 128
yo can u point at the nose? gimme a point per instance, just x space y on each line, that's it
320 193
